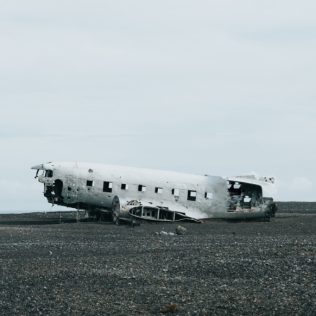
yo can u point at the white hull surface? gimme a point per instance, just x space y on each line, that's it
113 190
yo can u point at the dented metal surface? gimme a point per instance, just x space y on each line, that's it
120 192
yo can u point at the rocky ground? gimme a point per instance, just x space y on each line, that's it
215 268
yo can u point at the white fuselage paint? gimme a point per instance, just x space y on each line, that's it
211 191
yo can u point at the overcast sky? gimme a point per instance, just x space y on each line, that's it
217 87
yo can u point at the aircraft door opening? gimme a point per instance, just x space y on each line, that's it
58 188
54 192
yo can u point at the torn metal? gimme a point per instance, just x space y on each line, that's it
122 193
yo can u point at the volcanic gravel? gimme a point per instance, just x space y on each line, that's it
214 268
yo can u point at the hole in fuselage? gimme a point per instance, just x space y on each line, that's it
58 187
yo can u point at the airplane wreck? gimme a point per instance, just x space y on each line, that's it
119 193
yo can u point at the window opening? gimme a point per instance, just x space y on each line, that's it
191 195
158 190
107 186
141 188
175 192
49 173
89 183
208 195
124 186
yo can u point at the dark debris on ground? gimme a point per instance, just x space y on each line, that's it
215 268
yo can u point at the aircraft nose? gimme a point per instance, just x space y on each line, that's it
38 167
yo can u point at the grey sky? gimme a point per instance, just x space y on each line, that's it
223 88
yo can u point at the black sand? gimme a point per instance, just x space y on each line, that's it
216 268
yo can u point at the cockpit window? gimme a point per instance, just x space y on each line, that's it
49 173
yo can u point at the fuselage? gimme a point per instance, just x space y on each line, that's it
97 187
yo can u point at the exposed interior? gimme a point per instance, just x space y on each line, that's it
53 193
158 214
243 195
